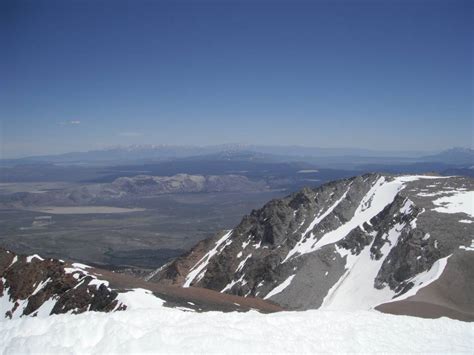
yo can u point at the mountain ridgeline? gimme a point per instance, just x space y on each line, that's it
400 244
31 286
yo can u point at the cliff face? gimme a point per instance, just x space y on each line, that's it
350 244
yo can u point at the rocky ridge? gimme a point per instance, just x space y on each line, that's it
31 286
351 244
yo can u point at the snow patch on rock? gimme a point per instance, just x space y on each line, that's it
425 278
457 202
470 248
30 258
280 287
204 261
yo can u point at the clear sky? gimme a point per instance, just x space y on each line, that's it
385 74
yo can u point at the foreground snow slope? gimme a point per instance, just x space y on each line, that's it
171 330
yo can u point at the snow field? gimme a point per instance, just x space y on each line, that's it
165 330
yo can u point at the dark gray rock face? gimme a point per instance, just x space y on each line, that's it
350 244
30 286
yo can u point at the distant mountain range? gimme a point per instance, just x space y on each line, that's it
278 166
124 188
334 157
151 151
453 156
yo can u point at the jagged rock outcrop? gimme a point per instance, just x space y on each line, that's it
350 244
31 286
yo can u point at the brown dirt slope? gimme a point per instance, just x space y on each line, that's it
452 295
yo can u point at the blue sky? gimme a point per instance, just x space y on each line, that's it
389 74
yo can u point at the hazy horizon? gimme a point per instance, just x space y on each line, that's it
231 145
223 147
385 76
